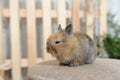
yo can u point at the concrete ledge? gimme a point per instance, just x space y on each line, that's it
102 69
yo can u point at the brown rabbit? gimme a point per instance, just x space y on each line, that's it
71 49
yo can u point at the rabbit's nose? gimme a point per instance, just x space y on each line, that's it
48 50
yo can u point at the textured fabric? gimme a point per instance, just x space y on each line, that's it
101 69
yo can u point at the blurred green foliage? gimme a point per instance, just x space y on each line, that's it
111 42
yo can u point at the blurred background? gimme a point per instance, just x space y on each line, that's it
26 24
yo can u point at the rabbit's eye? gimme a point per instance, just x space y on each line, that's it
57 42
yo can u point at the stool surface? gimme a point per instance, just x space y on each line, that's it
101 69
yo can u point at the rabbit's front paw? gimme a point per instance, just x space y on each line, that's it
74 64
65 63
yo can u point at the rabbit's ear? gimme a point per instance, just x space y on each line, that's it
59 28
69 29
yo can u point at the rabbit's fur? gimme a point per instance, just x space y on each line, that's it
72 49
